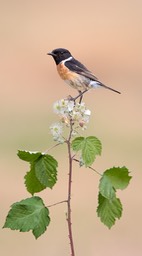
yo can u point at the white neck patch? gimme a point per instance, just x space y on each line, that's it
68 59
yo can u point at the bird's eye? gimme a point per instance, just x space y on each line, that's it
62 53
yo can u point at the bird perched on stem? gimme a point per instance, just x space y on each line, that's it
75 73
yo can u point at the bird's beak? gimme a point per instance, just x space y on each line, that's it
52 54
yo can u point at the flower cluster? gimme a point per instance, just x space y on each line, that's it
70 113
57 130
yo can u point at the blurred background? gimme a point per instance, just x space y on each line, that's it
107 37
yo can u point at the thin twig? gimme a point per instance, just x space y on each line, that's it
52 147
88 167
94 170
64 201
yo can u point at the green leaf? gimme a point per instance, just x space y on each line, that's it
90 147
45 170
28 214
28 155
118 176
112 179
77 143
33 185
109 210
106 188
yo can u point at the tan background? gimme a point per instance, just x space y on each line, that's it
107 37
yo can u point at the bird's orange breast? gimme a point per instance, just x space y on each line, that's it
75 80
65 73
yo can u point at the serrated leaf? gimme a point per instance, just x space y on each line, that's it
77 143
118 176
28 214
45 170
28 155
106 188
90 147
109 210
33 185
112 179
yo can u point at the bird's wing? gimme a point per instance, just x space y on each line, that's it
75 66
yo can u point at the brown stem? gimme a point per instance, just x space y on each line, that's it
69 221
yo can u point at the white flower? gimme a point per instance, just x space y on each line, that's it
86 116
76 115
70 113
63 106
87 112
57 130
70 105
80 107
57 107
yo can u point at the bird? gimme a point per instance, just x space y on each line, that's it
74 73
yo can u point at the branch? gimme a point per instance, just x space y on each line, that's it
88 167
45 152
64 201
69 192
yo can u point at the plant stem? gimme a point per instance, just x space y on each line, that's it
45 152
69 221
88 167
64 201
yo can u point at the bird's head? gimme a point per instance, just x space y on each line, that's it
60 54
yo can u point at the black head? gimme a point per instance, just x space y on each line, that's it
60 54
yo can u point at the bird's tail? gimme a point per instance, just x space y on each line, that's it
109 88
